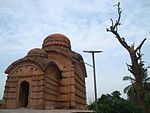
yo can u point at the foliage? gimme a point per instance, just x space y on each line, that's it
130 89
1 101
113 103
147 102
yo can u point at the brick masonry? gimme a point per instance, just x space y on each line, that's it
48 78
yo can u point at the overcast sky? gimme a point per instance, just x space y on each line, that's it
25 23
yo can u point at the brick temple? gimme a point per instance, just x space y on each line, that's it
52 77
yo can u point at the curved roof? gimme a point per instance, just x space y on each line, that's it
43 63
53 43
37 52
56 40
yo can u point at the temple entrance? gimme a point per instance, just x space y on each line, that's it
24 93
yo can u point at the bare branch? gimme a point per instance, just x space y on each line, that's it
117 4
130 68
139 55
141 44
112 23
122 41
119 17
107 29
114 27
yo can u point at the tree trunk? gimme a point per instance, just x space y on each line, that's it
140 94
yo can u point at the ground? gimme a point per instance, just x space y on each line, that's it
22 110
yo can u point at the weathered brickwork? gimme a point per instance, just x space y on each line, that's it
49 78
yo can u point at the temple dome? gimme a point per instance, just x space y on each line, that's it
56 40
37 52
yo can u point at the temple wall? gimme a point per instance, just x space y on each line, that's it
67 91
31 74
80 91
51 88
36 92
10 92
66 98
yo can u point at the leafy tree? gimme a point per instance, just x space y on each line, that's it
113 103
135 55
130 90
116 94
147 102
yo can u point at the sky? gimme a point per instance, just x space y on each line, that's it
24 24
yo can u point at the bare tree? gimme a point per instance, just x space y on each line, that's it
135 54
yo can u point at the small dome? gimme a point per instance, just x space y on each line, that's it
56 40
37 52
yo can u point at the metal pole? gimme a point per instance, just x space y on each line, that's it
94 74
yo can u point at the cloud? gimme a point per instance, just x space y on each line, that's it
25 24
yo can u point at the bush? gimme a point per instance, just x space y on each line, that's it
114 104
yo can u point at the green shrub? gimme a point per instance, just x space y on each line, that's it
115 104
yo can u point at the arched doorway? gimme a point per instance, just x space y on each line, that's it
24 93
53 77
